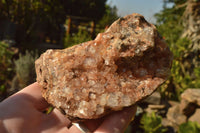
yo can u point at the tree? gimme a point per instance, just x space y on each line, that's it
37 19
93 9
109 17
191 23
174 23
32 18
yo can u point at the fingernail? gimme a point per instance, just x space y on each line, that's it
82 127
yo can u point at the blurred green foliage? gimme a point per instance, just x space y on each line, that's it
152 123
94 9
109 17
6 66
25 70
81 36
38 20
170 26
189 127
77 38
33 18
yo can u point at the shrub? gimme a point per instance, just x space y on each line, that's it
76 38
173 25
25 69
189 127
6 71
151 123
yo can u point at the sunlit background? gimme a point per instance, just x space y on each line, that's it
145 7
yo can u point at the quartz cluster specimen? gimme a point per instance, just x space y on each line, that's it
119 68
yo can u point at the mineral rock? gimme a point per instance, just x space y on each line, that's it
154 99
191 96
190 100
175 115
119 68
195 116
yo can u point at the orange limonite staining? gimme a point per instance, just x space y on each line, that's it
117 69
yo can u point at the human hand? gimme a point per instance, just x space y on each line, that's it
23 113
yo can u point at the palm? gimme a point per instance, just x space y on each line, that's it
22 112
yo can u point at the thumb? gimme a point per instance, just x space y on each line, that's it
118 121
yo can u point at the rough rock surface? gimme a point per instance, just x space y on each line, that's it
191 96
117 69
190 100
154 99
195 116
175 115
